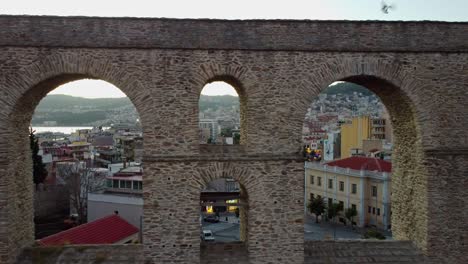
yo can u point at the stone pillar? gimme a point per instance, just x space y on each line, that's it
275 202
171 228
447 188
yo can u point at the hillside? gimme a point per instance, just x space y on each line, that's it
60 101
76 111
347 88
218 102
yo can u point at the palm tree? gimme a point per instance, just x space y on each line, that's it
317 206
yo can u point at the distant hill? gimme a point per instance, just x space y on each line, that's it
217 102
59 101
77 111
347 88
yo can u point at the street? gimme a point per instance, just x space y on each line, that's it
229 231
224 231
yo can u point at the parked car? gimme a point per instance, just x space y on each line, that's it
211 219
207 235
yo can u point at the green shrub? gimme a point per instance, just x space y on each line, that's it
374 234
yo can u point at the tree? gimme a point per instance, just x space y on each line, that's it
333 210
350 213
80 181
226 132
236 139
39 170
317 206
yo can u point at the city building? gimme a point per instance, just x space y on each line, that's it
130 146
220 195
362 183
122 194
353 133
80 150
364 134
80 135
209 130
332 146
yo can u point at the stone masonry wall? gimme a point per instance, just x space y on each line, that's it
213 34
417 69
315 252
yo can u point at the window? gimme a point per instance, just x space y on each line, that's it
353 206
354 188
378 211
311 179
115 184
342 205
330 183
330 201
128 184
369 209
341 186
135 185
319 181
311 196
374 191
373 210
109 183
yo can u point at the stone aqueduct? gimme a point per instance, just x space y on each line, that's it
418 69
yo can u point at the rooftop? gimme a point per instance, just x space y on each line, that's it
107 230
363 163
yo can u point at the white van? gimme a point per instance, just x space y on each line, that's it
207 235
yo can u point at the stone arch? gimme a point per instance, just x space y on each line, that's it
363 71
34 81
393 86
234 75
26 88
219 170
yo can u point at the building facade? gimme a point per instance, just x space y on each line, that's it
364 133
357 182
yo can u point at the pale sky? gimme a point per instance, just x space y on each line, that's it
441 10
101 89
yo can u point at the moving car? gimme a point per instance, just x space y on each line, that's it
207 235
211 219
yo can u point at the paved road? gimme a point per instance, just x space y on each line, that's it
223 231
229 231
327 230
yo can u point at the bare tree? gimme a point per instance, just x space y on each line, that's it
80 180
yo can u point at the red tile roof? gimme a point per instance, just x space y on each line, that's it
363 163
106 230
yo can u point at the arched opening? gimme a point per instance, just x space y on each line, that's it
223 211
365 168
91 145
220 113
